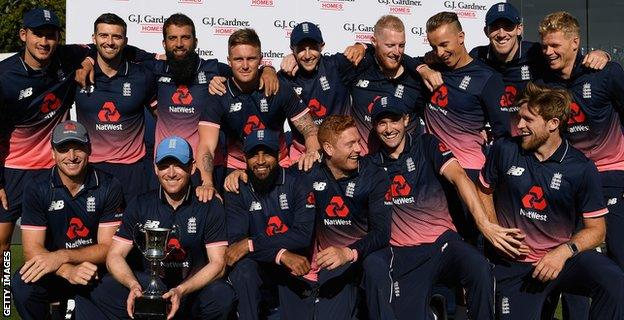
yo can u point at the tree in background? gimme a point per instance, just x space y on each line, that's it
11 12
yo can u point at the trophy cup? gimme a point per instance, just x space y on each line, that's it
151 305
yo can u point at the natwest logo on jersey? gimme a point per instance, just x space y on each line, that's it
317 108
275 226
400 191
508 99
401 6
50 103
334 5
439 99
223 26
467 10
76 234
147 23
335 211
253 123
361 31
577 119
107 116
534 202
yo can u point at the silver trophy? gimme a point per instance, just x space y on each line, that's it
152 305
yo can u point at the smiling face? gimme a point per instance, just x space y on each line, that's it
40 44
173 176
534 130
71 159
389 48
179 41
261 162
560 50
307 53
503 35
109 40
344 150
391 130
447 42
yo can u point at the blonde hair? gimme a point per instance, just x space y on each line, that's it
389 22
560 21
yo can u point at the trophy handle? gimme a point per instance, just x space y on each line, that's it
139 228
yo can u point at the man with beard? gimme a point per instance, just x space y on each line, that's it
425 247
191 272
113 111
37 91
70 216
458 111
246 108
518 61
540 184
385 76
352 220
270 223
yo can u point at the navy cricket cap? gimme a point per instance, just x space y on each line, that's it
176 148
388 105
502 10
69 131
40 17
262 137
303 31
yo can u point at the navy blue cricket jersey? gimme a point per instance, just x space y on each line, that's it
323 90
351 211
32 103
72 222
543 199
420 212
527 65
369 85
238 114
198 226
179 107
595 127
281 219
457 111
112 112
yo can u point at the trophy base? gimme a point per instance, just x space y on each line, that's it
152 308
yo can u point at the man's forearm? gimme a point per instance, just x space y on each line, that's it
95 254
209 273
588 238
121 271
305 125
468 193
487 201
206 165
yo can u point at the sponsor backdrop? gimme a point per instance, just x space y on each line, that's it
342 22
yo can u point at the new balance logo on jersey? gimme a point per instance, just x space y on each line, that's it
324 83
283 201
587 90
350 189
525 74
91 204
151 224
465 82
25 93
319 186
555 182
399 91
362 83
515 171
56 205
88 89
612 202
255 206
126 90
237 106
298 90
164 79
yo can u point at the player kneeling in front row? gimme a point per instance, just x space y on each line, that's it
192 270
543 186
69 217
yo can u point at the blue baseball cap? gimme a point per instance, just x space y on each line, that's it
303 31
502 10
263 137
40 17
388 105
176 148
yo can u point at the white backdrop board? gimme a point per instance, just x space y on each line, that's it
342 22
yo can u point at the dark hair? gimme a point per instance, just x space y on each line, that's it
549 103
178 20
110 18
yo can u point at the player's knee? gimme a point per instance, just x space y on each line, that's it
217 299
20 290
245 270
376 264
